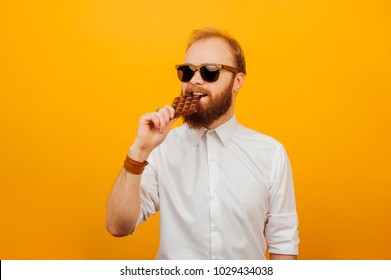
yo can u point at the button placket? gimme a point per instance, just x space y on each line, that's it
214 204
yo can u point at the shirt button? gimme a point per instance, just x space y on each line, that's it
214 227
213 194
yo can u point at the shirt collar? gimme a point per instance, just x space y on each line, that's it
225 132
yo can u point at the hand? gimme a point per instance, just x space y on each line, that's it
153 129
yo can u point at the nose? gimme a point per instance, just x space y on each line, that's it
196 79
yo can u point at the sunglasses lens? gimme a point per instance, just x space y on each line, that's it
185 73
210 73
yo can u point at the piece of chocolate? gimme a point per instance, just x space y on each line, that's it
186 104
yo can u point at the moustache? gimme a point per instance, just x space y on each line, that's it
191 88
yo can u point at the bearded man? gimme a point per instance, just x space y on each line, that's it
224 191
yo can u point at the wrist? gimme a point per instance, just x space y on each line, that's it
134 166
138 154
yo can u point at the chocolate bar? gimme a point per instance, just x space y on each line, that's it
186 104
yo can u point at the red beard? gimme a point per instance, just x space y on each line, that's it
208 113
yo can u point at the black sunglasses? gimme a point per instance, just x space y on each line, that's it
209 72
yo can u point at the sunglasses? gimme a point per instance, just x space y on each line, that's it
209 72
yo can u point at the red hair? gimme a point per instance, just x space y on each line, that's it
237 51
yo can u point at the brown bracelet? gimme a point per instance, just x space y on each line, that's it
134 167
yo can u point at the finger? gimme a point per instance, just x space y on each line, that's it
156 120
166 112
171 111
166 124
146 119
162 120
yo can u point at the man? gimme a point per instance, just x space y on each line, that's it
223 191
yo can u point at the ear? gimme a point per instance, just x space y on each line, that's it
239 81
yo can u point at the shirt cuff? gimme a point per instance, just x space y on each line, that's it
282 235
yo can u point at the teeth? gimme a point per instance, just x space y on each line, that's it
198 94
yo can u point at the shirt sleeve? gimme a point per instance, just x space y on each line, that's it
281 229
149 194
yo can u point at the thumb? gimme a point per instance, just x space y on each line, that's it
170 124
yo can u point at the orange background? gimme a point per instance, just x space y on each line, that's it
75 76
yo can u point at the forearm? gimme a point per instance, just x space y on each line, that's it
123 204
282 257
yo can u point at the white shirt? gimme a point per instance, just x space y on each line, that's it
222 194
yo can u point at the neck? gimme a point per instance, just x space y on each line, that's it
223 119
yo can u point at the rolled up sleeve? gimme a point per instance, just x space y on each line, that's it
149 194
281 230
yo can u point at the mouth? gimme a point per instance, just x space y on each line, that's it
198 94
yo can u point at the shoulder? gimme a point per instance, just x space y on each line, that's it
255 138
268 152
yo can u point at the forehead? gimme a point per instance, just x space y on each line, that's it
211 50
